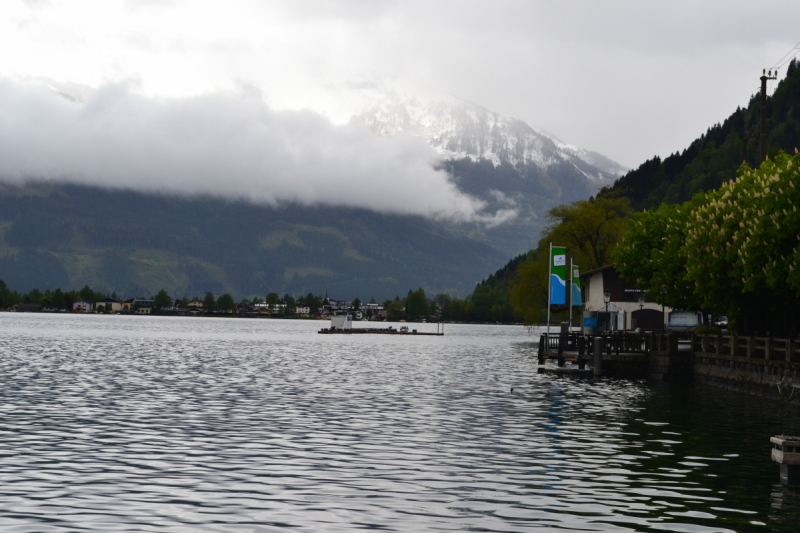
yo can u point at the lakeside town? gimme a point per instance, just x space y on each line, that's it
414 307
182 307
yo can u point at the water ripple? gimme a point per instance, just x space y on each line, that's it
154 424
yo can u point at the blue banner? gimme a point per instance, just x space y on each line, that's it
577 298
558 275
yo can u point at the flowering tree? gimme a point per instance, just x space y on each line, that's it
734 250
651 254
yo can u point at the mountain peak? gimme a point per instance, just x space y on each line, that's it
458 129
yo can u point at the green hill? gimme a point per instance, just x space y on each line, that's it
135 244
714 157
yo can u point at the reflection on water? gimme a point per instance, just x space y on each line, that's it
168 424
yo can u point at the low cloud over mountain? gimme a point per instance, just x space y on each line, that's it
223 144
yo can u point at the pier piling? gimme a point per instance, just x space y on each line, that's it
786 452
598 356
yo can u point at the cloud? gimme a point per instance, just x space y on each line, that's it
228 144
624 78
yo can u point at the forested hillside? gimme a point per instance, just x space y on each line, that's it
591 229
136 244
713 159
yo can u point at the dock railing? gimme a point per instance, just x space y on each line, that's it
755 348
582 345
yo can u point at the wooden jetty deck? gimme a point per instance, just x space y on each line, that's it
377 331
621 354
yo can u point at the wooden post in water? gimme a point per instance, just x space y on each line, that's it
581 341
598 356
786 452
562 344
542 348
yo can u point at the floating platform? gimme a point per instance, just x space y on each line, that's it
376 331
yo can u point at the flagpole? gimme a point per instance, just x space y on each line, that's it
571 273
549 287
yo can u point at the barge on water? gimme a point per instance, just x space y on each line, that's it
343 325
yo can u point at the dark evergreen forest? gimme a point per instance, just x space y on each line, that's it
714 157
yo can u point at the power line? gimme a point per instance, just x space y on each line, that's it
795 47
786 61
781 62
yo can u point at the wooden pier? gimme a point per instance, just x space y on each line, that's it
377 331
764 366
621 354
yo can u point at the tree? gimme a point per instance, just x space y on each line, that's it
356 304
589 229
735 250
416 304
7 296
528 295
226 302
291 307
314 303
458 310
272 300
209 302
162 300
58 299
652 255
34 296
88 295
395 311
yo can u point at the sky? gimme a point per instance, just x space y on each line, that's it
88 88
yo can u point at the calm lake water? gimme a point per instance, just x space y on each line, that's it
113 423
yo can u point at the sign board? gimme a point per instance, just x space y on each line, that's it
683 319
558 275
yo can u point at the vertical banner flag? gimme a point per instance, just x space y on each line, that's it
577 299
558 275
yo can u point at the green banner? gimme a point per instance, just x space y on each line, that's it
577 298
558 275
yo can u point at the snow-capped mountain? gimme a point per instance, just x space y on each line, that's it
516 170
459 129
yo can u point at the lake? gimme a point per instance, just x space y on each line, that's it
134 423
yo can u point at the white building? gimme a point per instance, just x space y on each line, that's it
624 308
81 306
142 306
110 304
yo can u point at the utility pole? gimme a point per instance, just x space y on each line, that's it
747 137
764 79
